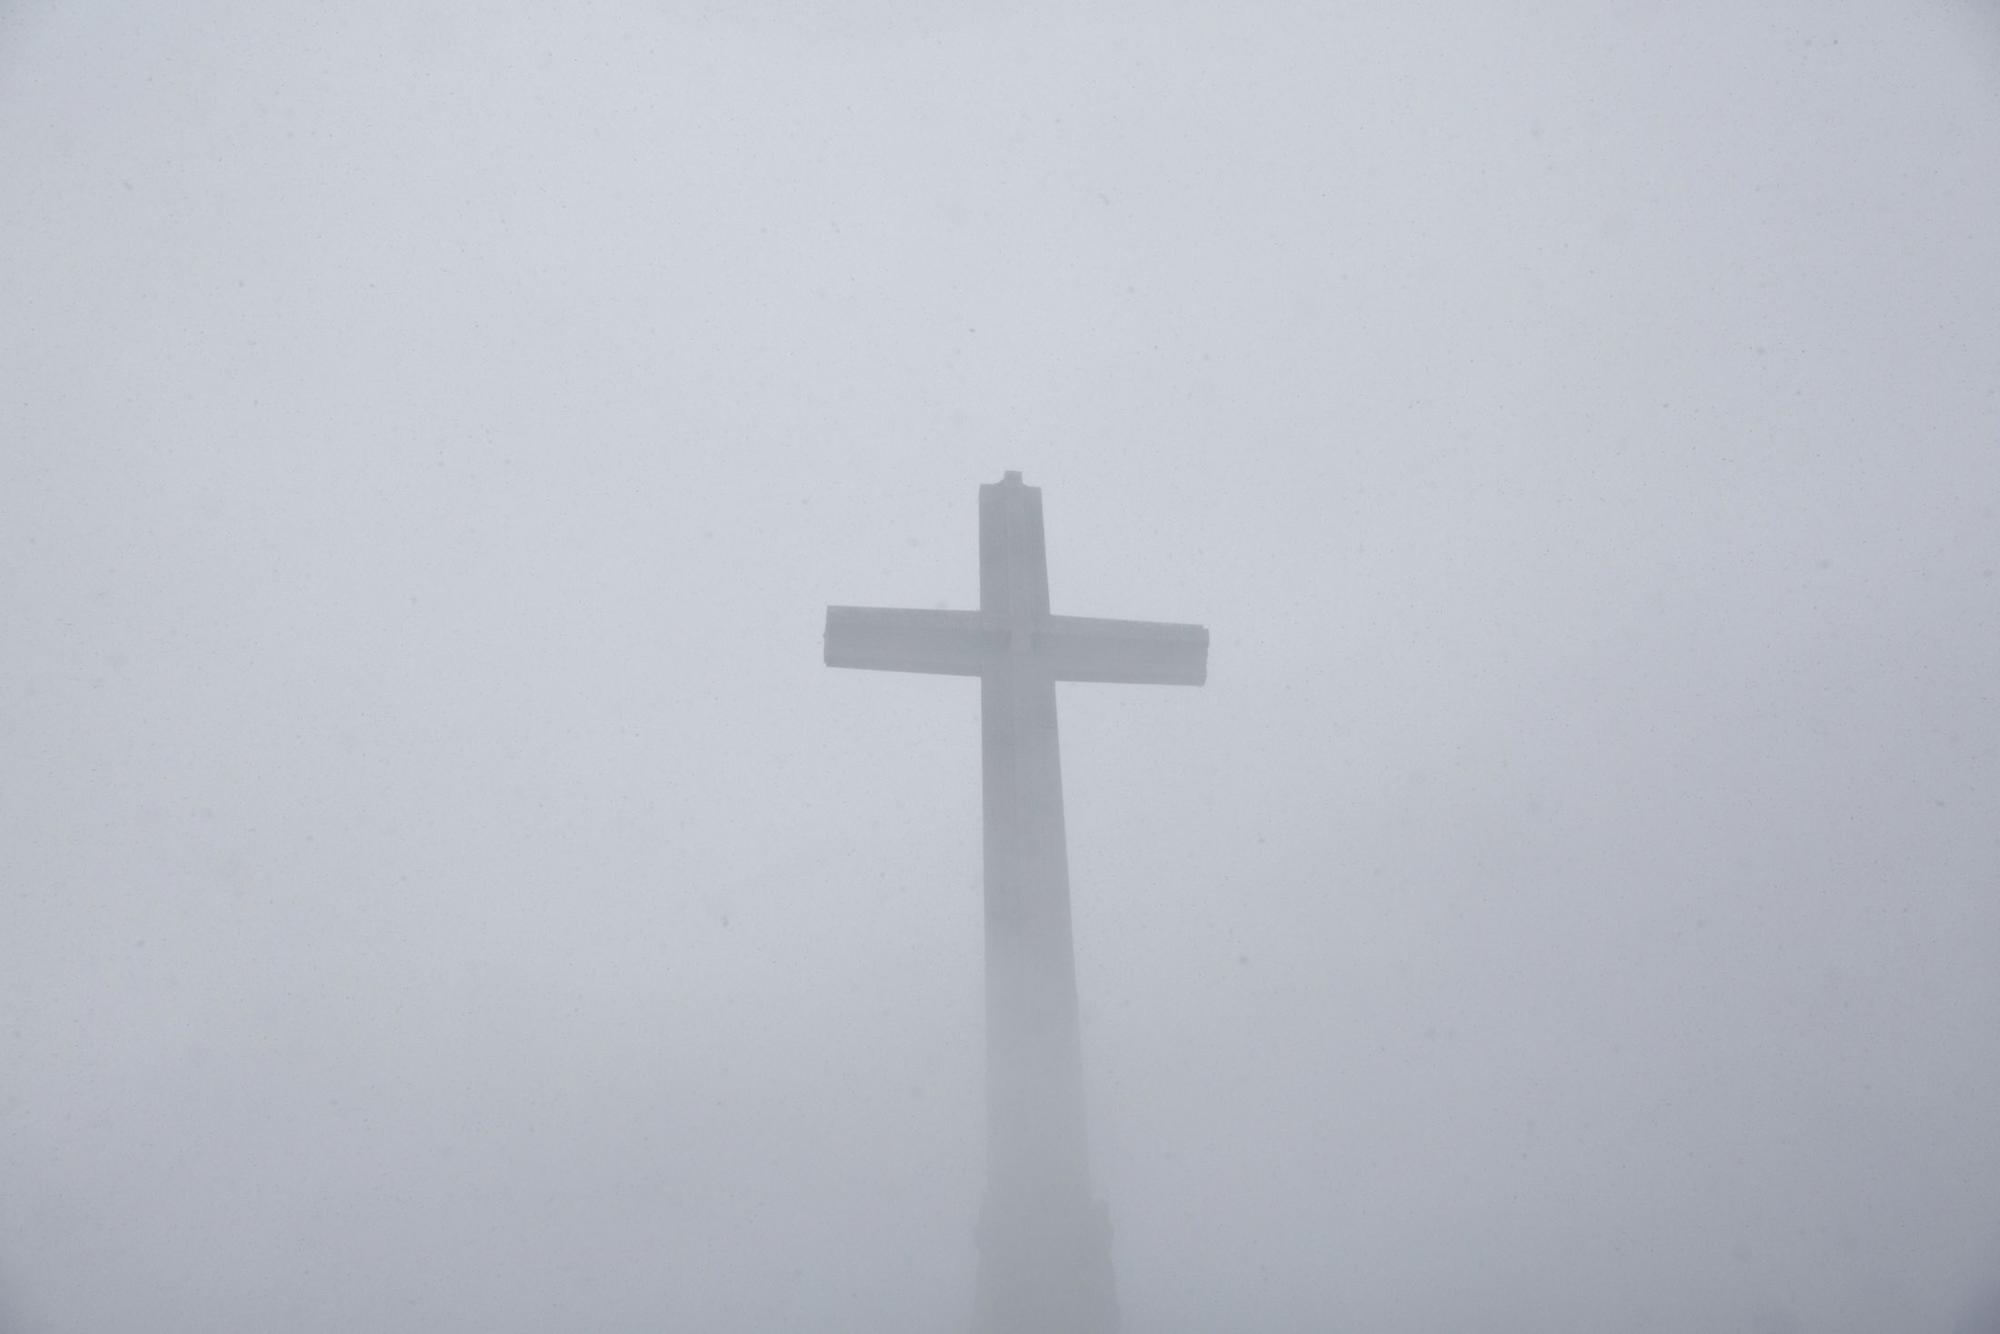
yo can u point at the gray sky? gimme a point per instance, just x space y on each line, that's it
443 890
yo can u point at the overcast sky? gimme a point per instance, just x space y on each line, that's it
444 890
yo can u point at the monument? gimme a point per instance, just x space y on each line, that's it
1044 1239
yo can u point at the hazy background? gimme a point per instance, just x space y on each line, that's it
443 890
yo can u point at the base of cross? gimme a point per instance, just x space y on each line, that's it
1045 1270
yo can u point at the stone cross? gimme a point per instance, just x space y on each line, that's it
1045 1247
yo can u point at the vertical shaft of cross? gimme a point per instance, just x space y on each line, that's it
1045 1263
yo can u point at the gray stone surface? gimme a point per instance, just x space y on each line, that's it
1044 1239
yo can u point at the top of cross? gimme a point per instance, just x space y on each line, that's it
1013 623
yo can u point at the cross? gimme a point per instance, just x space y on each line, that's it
1045 1251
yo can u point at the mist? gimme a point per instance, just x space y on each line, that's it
444 889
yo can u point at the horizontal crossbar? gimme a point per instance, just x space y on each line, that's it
969 643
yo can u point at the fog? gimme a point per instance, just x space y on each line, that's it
444 890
